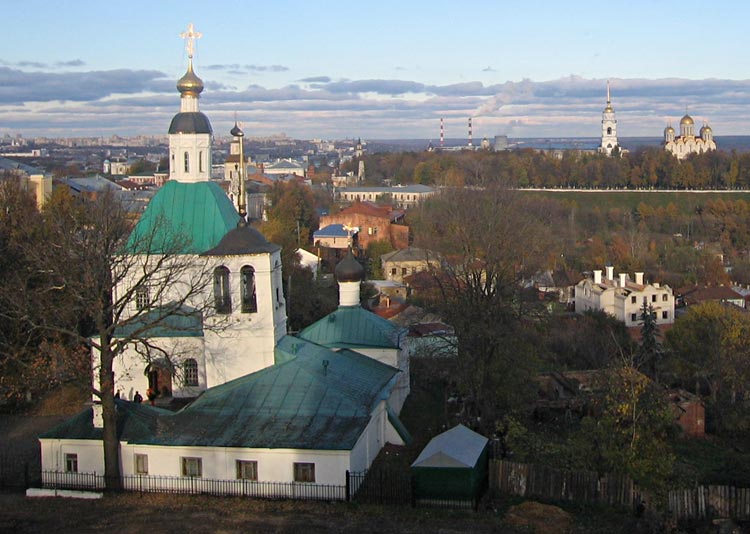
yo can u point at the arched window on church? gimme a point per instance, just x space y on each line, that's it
222 295
200 161
249 301
187 162
172 166
609 131
191 372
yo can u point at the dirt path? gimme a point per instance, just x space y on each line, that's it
134 514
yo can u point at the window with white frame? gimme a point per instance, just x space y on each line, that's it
191 372
304 472
247 470
191 467
142 299
222 294
141 464
71 462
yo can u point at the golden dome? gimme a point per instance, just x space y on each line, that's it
609 109
706 128
669 129
190 84
687 119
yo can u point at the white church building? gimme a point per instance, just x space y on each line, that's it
263 405
687 143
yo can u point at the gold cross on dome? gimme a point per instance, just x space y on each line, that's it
190 36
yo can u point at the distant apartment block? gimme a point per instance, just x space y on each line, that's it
402 196
623 298
31 178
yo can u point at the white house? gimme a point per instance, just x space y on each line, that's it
624 298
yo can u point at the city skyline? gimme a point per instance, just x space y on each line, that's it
387 70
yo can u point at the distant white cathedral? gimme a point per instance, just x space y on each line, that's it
687 143
609 128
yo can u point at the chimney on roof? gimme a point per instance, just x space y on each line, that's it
598 276
639 278
610 272
622 279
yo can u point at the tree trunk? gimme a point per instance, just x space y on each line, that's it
109 413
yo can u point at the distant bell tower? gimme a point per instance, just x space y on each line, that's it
609 127
190 131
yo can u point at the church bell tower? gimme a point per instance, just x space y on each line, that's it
190 131
609 128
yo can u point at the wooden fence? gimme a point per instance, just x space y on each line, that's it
538 481
707 502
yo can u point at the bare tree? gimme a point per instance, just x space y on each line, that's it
117 288
490 240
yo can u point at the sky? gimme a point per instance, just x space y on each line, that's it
384 69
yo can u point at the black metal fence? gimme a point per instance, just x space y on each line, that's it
195 486
381 486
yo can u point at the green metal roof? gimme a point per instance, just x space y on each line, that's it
317 399
352 327
133 420
184 218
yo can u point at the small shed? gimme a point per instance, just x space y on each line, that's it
453 465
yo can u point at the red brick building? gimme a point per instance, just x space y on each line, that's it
375 223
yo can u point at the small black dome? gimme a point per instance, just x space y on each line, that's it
190 122
349 269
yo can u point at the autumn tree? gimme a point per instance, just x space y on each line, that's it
291 221
630 433
32 360
710 352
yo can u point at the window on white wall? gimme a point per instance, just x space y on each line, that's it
71 463
304 472
191 467
187 162
222 295
142 298
191 372
141 464
247 470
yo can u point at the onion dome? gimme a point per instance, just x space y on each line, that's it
609 109
236 131
190 122
668 129
190 84
706 129
349 269
686 120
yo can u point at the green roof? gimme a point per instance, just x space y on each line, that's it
317 399
184 218
352 327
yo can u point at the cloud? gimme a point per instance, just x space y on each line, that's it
318 79
70 63
133 101
17 87
236 68
31 64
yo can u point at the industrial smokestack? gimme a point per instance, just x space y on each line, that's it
471 143
442 133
